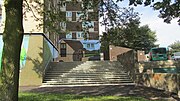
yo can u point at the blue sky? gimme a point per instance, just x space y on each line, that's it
166 33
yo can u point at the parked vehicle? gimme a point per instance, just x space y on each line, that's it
176 56
157 54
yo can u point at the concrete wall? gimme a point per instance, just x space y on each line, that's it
169 81
40 53
31 74
144 72
127 60
141 56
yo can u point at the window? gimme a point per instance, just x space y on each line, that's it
69 16
69 36
79 34
63 50
63 46
78 15
92 45
89 25
62 25
88 45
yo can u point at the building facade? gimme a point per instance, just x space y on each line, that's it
42 45
77 25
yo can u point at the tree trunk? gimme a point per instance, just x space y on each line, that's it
12 38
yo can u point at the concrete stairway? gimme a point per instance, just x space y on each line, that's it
86 73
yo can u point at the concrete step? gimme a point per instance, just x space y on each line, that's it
86 73
86 76
79 85
85 82
89 79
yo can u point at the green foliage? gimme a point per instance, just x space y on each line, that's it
66 97
131 35
113 15
53 16
175 47
168 9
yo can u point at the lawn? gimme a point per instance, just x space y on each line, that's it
66 97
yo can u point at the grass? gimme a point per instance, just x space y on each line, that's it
67 97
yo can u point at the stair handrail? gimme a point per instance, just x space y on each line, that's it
46 66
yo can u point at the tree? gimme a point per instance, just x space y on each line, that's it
132 35
13 35
123 18
12 38
175 47
168 9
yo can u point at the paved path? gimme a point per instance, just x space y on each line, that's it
118 90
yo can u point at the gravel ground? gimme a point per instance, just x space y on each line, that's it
118 90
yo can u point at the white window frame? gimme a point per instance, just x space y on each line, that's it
78 16
62 25
89 24
69 15
69 35
79 35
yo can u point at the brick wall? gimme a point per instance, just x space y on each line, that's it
70 6
141 56
114 51
73 51
74 26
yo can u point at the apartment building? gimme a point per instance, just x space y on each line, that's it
79 25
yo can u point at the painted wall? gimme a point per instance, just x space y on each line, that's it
36 53
96 44
40 53
31 74
24 49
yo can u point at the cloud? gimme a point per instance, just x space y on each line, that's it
166 33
